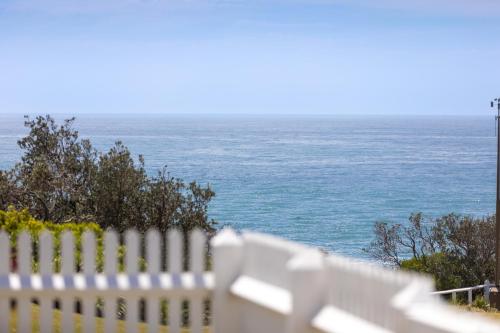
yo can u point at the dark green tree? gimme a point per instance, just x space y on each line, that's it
63 178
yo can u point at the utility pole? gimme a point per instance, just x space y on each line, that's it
497 211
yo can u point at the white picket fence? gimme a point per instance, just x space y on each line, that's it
259 284
109 285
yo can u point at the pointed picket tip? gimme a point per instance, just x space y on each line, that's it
45 234
24 253
89 252
67 252
153 255
132 251
24 236
46 252
197 236
197 251
173 233
110 234
174 251
110 251
131 235
152 233
88 235
153 240
67 236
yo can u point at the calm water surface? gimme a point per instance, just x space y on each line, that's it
318 180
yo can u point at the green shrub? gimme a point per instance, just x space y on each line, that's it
443 269
13 222
480 303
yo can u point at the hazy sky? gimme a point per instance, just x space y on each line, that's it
235 56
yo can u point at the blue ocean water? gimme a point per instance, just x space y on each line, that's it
321 180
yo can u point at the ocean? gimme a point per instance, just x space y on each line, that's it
320 180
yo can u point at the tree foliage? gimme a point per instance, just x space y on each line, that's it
63 178
456 250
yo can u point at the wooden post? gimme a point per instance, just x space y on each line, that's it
487 291
307 286
227 257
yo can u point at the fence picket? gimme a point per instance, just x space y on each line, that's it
132 256
4 270
175 268
89 268
46 270
197 259
67 269
110 269
153 262
24 270
351 295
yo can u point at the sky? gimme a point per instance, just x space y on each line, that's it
249 57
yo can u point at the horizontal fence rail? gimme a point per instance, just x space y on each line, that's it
110 282
485 287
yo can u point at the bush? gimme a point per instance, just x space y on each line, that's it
438 265
480 303
14 222
457 251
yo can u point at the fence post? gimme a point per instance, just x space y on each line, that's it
227 259
469 296
487 291
307 288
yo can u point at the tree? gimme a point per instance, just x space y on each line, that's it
62 178
455 250
120 189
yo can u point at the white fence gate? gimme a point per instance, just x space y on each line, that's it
259 284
